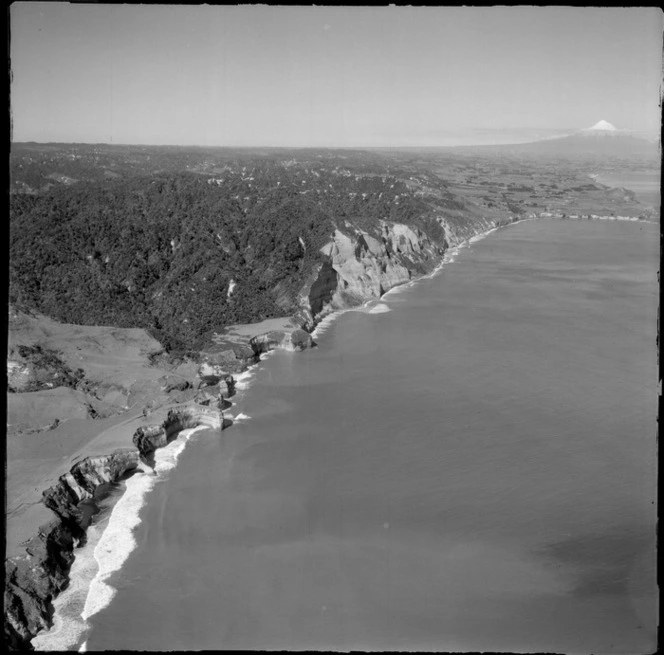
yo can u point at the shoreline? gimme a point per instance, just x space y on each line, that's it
108 536
50 618
110 545
31 602
448 257
123 515
617 182
243 382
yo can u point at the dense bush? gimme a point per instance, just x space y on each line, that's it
161 250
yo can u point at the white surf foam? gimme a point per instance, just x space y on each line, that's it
395 291
241 417
326 321
380 308
68 628
482 235
117 541
243 380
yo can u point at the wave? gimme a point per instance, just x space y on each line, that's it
368 307
395 291
481 235
243 380
326 321
118 540
109 544
68 627
380 308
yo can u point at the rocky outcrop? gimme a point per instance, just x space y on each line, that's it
320 292
172 382
214 375
212 396
33 580
149 438
84 478
234 358
293 340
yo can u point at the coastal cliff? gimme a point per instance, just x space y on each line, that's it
33 580
360 266
149 438
357 266
259 246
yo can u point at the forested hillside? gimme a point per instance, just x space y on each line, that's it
183 253
185 241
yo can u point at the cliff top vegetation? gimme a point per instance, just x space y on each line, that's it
186 241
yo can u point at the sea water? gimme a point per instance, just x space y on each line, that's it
468 465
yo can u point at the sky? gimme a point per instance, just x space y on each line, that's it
329 76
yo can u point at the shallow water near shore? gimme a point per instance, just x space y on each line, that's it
473 469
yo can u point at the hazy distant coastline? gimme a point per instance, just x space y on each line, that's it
645 184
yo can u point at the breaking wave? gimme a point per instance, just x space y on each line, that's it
109 544
380 308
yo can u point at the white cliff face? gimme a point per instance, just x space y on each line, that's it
403 239
362 266
457 232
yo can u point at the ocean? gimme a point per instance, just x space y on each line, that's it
468 464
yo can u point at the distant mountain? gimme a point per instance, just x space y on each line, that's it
601 128
602 140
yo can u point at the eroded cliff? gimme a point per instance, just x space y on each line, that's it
360 266
34 579
357 266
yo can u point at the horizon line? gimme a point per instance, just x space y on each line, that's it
236 147
306 147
